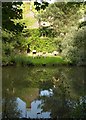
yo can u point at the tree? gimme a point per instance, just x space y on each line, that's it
10 12
64 19
12 39
74 45
63 15
10 108
39 6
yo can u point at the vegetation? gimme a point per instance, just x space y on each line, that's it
27 82
74 46
65 34
56 33
33 60
10 12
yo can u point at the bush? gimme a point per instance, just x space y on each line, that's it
13 44
74 45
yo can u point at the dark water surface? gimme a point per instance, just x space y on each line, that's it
44 92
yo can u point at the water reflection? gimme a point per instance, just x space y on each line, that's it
44 92
10 108
63 105
21 106
36 111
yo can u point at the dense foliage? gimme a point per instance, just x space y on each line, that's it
74 45
13 43
64 19
12 40
63 15
39 6
10 12
40 43
64 35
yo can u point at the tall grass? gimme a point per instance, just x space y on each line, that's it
33 60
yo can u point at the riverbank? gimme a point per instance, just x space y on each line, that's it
25 60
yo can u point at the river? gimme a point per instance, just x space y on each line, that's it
44 92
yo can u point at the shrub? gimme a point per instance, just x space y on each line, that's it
74 45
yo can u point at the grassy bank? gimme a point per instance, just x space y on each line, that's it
31 60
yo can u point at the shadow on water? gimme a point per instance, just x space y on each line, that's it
51 92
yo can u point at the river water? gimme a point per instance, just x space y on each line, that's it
44 92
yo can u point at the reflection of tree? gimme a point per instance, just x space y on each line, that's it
79 110
59 103
62 104
10 108
67 83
